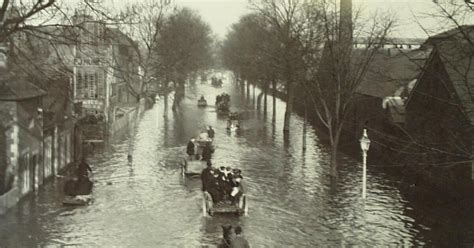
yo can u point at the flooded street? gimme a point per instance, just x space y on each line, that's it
147 203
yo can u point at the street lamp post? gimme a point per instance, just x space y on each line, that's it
364 145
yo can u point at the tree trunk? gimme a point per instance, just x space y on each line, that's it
274 97
253 97
259 101
289 109
173 106
334 151
248 89
179 94
265 91
305 128
333 162
182 89
165 86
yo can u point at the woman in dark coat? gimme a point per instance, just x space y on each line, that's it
207 153
190 148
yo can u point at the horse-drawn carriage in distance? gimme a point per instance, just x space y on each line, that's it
233 122
195 163
223 103
202 102
216 82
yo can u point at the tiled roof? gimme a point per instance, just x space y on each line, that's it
455 34
458 60
118 37
393 40
387 74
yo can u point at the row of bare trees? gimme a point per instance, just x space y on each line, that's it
306 46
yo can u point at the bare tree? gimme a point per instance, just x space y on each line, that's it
183 47
252 52
341 69
146 20
285 19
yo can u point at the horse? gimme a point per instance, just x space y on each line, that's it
226 236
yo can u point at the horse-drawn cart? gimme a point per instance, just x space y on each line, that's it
224 207
192 168
202 102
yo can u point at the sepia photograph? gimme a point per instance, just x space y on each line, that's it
236 123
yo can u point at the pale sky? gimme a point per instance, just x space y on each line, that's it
221 14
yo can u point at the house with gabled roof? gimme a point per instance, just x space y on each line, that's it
20 138
379 100
440 110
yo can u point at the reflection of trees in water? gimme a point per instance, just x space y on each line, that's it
165 129
441 224
179 126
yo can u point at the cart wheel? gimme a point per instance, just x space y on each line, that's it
246 206
208 203
204 208
184 166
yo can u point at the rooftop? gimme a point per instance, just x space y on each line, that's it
458 57
387 74
14 88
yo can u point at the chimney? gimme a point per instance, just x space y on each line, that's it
345 22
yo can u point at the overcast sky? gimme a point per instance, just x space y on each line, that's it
220 14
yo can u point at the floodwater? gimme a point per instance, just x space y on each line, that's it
147 203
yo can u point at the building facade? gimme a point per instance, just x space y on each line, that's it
106 78
21 165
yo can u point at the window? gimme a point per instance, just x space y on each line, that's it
90 84
100 84
79 84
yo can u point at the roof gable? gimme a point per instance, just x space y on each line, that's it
387 74
457 58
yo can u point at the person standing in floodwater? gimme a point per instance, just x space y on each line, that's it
83 169
211 132
190 149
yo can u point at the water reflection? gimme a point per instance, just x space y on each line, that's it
293 202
